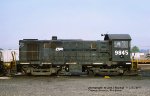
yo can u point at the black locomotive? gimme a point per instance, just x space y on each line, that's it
110 56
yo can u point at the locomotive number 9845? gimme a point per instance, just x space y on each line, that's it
121 52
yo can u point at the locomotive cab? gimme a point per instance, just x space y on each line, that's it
120 51
120 47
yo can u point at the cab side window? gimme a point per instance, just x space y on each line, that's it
121 44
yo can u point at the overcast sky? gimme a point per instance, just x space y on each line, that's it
73 19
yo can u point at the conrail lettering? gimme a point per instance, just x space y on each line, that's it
59 49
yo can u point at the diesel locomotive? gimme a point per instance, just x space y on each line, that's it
110 56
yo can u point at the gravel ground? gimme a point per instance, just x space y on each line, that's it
75 86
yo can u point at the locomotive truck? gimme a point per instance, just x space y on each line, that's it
110 56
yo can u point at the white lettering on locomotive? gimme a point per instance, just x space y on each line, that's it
121 52
59 49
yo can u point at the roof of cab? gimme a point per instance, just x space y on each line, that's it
117 37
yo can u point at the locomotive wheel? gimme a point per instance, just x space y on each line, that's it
58 72
121 74
24 70
90 73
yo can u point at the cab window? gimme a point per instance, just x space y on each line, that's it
121 44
